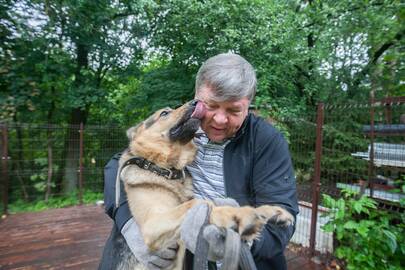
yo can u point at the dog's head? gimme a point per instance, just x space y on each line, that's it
166 136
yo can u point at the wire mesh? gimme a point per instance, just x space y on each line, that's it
363 149
44 159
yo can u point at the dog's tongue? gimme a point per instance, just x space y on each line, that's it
199 110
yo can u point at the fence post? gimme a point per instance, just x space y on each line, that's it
81 165
317 176
370 181
4 164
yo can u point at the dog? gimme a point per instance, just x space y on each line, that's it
159 148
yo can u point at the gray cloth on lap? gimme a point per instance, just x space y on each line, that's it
157 260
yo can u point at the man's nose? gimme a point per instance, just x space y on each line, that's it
220 118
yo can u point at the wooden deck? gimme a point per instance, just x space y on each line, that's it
69 238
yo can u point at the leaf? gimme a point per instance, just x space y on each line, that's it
391 240
328 201
362 230
358 207
340 214
329 227
351 225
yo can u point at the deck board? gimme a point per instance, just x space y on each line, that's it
69 238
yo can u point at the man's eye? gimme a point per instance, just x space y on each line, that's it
211 106
164 113
234 111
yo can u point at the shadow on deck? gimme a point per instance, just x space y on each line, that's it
69 238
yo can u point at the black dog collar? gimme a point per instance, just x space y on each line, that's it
171 174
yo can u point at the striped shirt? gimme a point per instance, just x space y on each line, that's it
207 168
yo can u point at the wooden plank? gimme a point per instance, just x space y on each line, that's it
69 238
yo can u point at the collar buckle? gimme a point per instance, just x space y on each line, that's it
170 174
146 165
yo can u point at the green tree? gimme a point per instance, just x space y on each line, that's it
59 53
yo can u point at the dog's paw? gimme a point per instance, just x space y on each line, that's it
244 220
276 215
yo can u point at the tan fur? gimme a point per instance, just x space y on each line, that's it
159 205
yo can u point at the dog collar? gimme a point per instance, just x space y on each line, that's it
170 174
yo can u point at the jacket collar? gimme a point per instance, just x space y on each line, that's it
242 129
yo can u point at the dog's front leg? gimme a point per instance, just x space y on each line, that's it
161 226
248 221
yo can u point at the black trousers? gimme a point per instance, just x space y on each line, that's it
276 263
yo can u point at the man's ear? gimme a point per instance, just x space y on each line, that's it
131 132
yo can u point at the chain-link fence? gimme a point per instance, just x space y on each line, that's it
353 146
360 147
364 150
48 161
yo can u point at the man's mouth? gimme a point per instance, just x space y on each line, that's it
218 129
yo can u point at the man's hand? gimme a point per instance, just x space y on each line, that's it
159 260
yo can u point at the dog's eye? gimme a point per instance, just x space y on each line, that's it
164 113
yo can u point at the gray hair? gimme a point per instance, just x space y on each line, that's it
230 76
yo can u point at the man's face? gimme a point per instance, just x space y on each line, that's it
222 119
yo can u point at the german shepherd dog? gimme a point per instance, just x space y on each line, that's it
158 204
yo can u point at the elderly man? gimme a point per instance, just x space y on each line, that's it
240 156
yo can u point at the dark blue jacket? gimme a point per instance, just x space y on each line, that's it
257 171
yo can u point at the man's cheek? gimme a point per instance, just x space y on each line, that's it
207 117
205 121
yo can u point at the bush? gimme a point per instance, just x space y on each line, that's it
367 238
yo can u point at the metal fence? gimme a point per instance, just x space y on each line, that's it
348 146
39 160
355 146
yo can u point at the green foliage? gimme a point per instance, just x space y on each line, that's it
178 83
39 179
340 138
114 62
89 197
367 238
86 51
400 188
190 39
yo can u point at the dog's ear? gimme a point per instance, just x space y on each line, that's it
131 132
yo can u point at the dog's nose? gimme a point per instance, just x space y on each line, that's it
194 102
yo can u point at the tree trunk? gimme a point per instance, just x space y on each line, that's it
50 162
20 161
77 116
73 149
50 151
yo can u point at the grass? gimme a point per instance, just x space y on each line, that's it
19 206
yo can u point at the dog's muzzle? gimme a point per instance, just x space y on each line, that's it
184 131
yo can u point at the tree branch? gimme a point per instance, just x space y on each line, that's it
376 55
329 16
